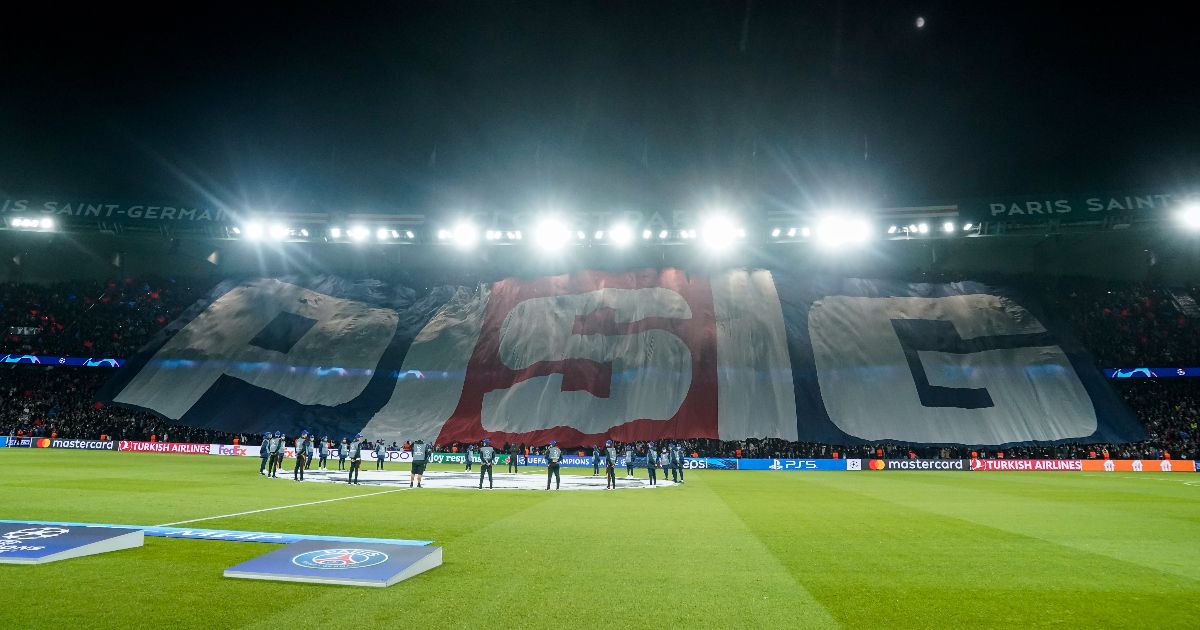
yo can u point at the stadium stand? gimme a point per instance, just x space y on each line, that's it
1121 325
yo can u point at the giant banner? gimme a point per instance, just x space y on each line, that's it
633 356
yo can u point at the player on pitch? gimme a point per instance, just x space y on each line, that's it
610 465
651 463
420 456
356 450
277 452
323 451
553 458
487 457
301 456
264 451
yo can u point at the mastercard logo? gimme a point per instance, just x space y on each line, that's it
877 464
41 443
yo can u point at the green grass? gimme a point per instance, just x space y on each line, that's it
729 549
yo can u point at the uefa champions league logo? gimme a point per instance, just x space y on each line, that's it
340 559
32 533
11 541
20 358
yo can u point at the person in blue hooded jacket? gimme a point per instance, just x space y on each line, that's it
323 451
651 463
264 452
677 459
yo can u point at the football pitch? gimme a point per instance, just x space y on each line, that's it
726 550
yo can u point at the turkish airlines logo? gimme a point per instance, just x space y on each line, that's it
592 353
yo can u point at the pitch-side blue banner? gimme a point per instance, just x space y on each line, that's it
41 359
233 535
1153 372
649 355
791 464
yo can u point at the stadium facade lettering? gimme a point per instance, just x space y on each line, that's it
105 210
1016 208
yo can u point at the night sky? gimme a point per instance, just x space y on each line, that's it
432 107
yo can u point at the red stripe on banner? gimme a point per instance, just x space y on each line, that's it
697 415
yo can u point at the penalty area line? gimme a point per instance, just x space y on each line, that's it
281 507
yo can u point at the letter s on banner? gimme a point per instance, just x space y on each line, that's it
650 369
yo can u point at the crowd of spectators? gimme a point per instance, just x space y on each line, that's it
86 318
1122 325
60 402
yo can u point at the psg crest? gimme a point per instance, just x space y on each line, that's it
340 559
364 564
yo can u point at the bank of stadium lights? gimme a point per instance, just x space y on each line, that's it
23 223
948 227
551 234
253 231
833 231
719 233
1190 217
620 235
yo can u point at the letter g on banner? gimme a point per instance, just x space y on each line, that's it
966 369
613 372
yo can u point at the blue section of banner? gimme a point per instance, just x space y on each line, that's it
3 441
791 464
922 337
712 463
575 461
232 534
19 442
40 359
1153 372
234 405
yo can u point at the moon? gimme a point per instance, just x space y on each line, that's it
920 22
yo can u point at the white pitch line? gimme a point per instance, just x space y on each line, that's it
281 507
